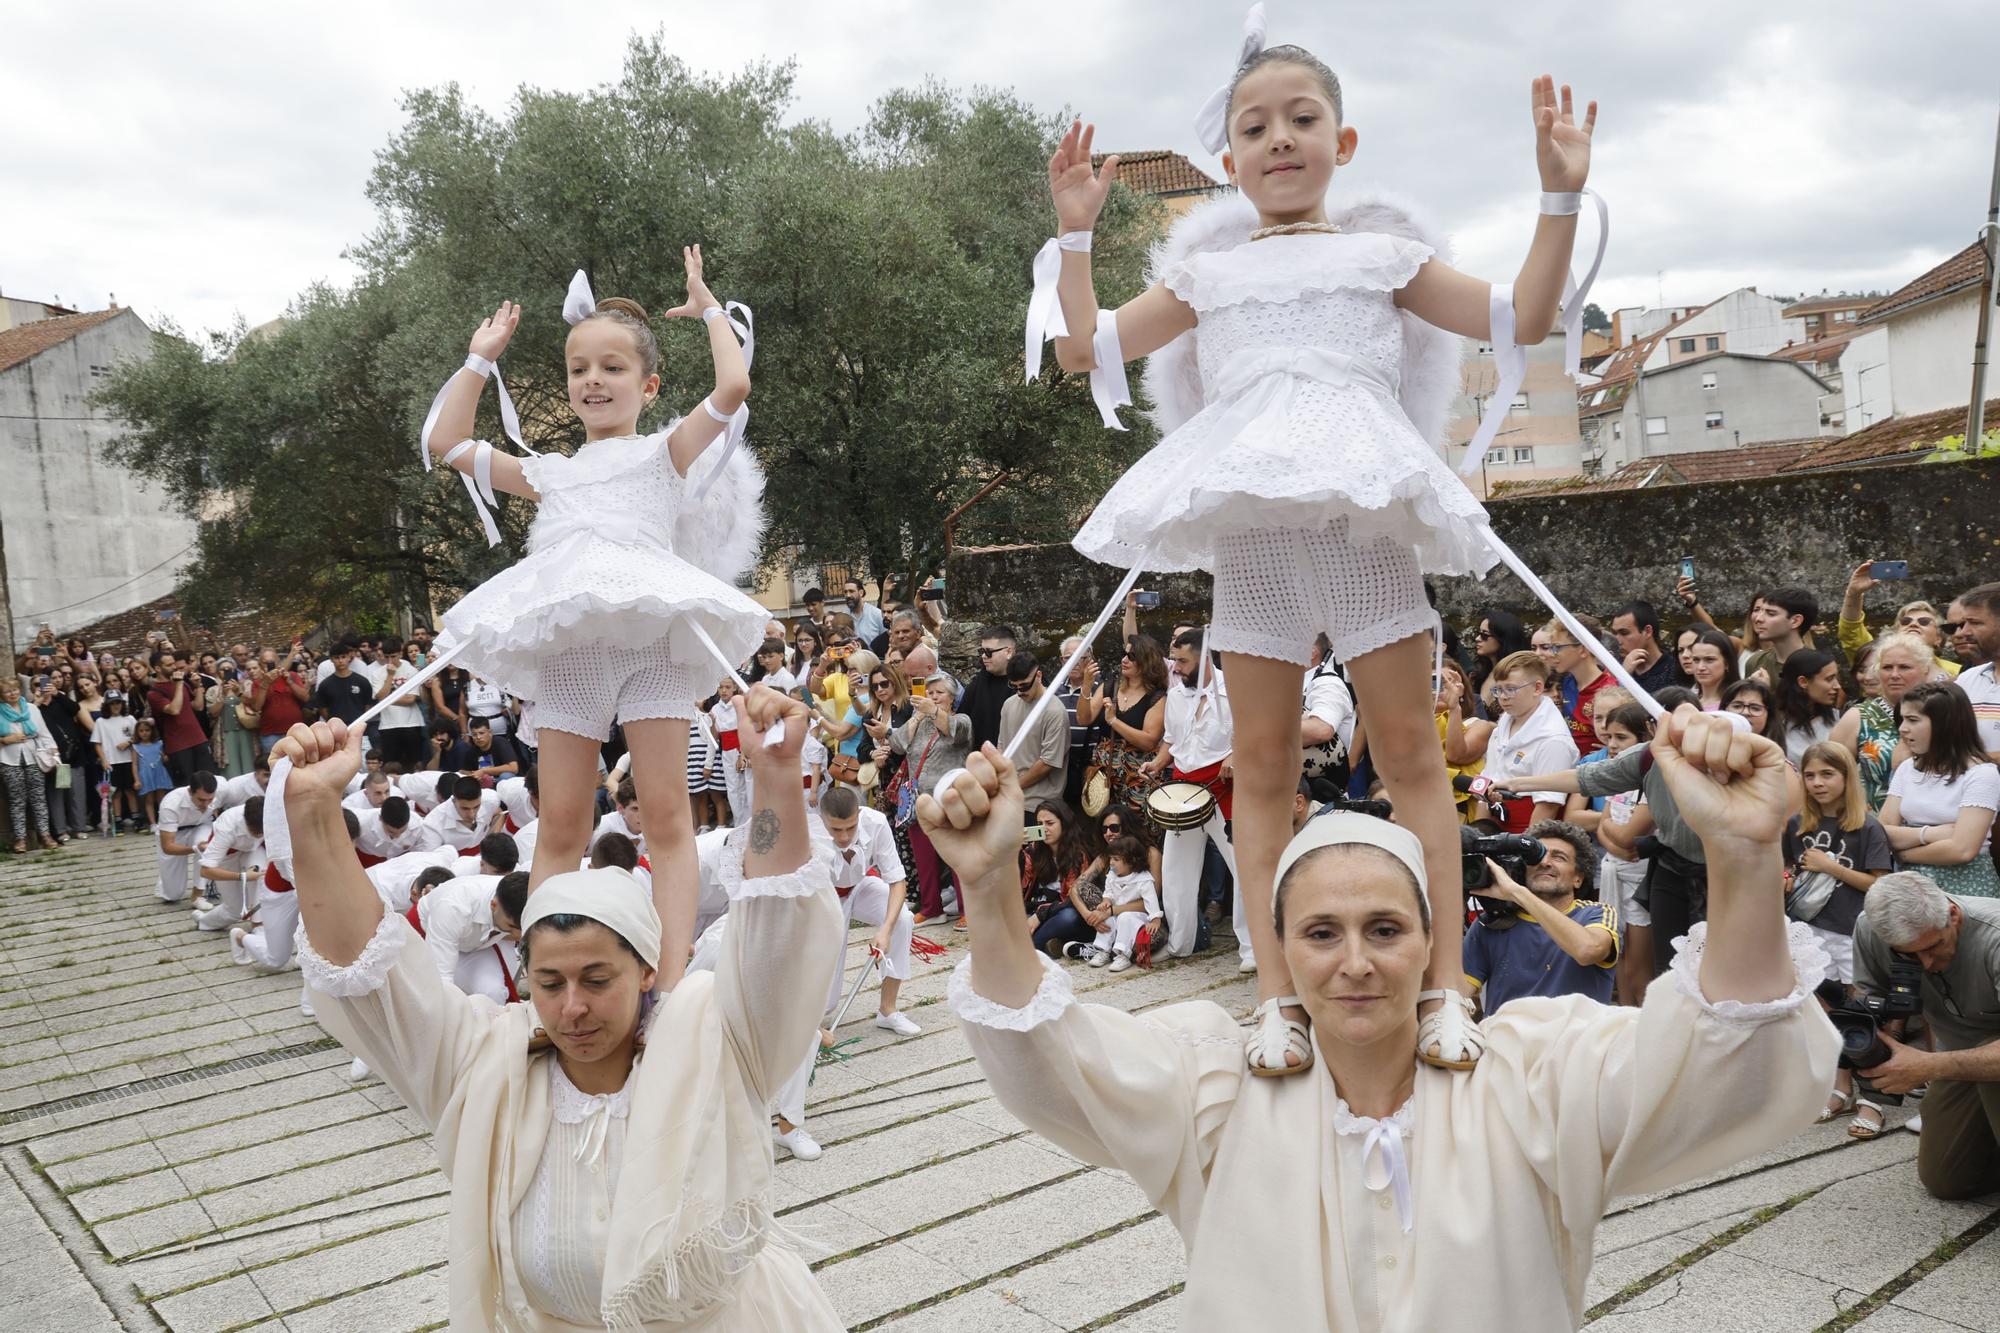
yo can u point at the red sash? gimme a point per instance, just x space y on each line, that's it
730 740
512 827
513 996
857 883
415 923
369 858
1211 778
274 882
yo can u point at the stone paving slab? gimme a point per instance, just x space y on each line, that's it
279 1196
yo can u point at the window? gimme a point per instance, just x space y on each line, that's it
1843 316
1617 430
1496 457
1656 425
1520 403
1712 420
1524 454
1687 344
100 372
1713 344
1708 380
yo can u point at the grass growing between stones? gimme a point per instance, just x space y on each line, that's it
1720 1241
1916 1273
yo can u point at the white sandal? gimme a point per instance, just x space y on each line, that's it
1274 1037
1450 1030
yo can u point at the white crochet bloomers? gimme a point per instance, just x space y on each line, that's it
1301 485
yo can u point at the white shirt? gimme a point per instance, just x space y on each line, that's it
1983 688
372 672
615 823
874 848
1933 799
231 845
452 831
421 789
513 793
400 714
179 815
1199 728
1138 887
110 733
1541 744
484 699
393 878
458 918
524 843
1328 699
358 801
416 836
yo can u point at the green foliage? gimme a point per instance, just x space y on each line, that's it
889 271
1594 319
1951 449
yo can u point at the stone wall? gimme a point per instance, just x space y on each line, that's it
1598 550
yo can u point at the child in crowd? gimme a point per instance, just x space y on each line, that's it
112 735
735 764
152 778
1135 907
1619 821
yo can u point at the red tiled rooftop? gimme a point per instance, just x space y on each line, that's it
1160 171
29 340
1894 438
1963 269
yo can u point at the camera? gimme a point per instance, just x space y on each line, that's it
1859 1018
1512 852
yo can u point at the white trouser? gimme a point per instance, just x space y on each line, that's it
272 946
737 785
482 972
175 872
1121 933
233 898
867 902
1180 876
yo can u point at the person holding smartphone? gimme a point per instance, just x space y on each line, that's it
1920 618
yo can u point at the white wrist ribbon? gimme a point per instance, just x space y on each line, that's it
1045 316
713 312
1558 204
1509 359
1211 123
510 422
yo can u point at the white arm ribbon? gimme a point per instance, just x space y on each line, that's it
1108 385
479 483
510 422
1045 316
1211 124
739 420
1576 294
1511 360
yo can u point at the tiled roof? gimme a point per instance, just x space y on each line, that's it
126 631
28 340
1898 437
1819 351
1963 269
1160 171
1819 305
1688 469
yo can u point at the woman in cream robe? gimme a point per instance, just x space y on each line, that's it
1473 1203
554 1202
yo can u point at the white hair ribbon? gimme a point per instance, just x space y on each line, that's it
1211 125
578 303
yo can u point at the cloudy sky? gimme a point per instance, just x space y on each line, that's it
205 160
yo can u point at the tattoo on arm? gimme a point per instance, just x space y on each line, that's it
764 830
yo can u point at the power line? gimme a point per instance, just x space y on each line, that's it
43 615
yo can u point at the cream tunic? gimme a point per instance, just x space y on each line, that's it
667 1226
1291 1221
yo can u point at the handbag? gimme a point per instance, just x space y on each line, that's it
844 768
906 795
65 777
1096 792
47 756
1809 895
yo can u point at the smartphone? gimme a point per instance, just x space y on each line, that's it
1890 569
930 594
1146 601
1034 833
920 689
1687 568
51 652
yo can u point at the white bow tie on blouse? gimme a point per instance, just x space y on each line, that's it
1385 1164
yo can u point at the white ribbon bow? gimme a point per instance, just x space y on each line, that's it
1511 359
578 302
1211 124
1385 1165
1109 388
510 422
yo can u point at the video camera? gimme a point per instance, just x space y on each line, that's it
1859 1018
1512 852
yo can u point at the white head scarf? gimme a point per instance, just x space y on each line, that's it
609 896
1347 828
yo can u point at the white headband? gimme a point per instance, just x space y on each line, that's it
610 896
1212 124
1348 828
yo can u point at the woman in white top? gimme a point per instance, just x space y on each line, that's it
590 1187
1375 1193
1942 799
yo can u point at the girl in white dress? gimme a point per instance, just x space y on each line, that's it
1301 482
604 619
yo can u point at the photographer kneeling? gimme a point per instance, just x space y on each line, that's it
1956 941
1549 944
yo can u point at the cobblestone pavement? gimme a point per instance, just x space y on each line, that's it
182 1150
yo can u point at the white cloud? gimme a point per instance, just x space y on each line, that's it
201 161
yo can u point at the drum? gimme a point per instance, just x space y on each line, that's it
1180 805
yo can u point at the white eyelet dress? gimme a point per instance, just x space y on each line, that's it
1301 484
594 623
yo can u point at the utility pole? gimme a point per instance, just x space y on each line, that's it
1989 241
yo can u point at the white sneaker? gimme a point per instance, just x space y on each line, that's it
1121 962
1247 965
306 1008
1099 957
898 1023
1082 949
799 1143
238 954
1915 1124
358 1072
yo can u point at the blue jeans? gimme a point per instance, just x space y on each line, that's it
1066 923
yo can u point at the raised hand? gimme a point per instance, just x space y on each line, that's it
699 297
1729 784
761 709
490 339
1078 190
1863 578
325 757
974 819
1562 147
